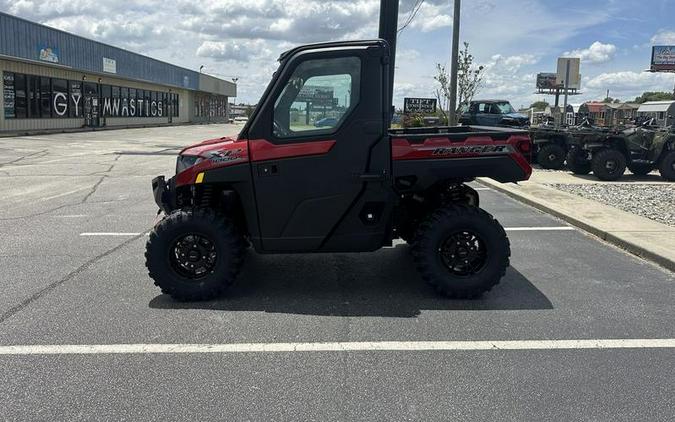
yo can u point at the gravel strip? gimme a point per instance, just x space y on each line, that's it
653 201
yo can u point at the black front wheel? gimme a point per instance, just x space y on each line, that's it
577 163
194 254
551 156
462 251
608 164
667 166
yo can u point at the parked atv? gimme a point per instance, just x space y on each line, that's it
586 133
550 145
640 149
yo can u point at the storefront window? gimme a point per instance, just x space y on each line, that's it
20 97
132 102
124 93
45 97
106 95
29 96
75 103
59 98
8 94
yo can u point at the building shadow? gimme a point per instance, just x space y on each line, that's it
383 284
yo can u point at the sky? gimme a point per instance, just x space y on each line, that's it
513 39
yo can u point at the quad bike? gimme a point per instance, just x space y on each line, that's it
641 149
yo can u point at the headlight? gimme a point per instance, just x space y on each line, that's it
184 162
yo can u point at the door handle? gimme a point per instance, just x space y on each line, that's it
373 177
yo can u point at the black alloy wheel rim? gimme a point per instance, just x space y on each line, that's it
193 256
463 253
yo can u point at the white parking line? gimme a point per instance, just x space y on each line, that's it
536 229
109 234
508 229
77 349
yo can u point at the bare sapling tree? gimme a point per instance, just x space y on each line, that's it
443 91
469 81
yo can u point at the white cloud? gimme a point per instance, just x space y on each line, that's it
237 50
407 54
664 37
630 80
513 63
596 53
626 85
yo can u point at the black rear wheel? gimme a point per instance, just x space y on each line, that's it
551 156
577 163
640 169
608 164
462 251
667 166
194 254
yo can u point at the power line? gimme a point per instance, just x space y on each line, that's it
411 16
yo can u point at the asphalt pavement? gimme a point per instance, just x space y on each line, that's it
61 287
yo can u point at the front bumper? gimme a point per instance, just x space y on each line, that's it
164 193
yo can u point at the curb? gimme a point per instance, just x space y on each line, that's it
38 132
625 244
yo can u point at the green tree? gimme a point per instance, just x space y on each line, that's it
654 96
539 105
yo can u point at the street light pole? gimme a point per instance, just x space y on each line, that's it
234 100
452 118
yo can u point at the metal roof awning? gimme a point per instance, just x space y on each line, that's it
655 107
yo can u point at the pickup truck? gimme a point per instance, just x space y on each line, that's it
492 113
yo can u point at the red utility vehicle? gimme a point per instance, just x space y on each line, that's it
285 185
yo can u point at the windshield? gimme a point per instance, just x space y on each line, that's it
505 108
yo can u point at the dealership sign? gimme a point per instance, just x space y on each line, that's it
48 53
317 95
419 105
109 65
663 58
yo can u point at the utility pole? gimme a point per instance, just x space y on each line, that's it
452 117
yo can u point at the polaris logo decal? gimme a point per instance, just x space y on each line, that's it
225 156
472 149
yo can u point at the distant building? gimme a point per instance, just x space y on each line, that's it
594 110
240 110
54 80
662 111
620 114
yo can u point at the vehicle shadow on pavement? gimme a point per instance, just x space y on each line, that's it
626 178
382 284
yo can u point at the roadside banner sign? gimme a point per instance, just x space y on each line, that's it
419 105
663 58
571 79
547 80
